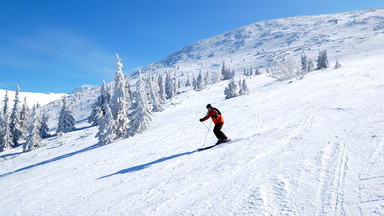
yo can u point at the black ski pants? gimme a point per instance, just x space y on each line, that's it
217 130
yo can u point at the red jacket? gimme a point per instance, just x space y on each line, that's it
215 115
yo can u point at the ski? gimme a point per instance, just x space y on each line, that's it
211 146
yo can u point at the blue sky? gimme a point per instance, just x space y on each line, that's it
56 46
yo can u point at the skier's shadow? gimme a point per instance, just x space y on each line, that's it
144 166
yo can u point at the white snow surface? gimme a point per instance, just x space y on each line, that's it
32 97
313 146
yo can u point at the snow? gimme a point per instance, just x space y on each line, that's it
312 146
32 97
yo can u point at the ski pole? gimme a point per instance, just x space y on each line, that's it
205 140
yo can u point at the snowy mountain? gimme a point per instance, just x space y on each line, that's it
311 146
256 45
32 98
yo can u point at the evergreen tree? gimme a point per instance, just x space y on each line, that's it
141 115
169 86
338 65
5 138
322 60
161 88
156 104
24 119
257 71
15 125
6 99
99 107
206 79
199 83
44 129
119 103
106 134
194 82
244 88
188 83
231 90
66 119
33 140
6 141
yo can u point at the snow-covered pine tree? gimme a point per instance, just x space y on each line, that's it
194 82
140 115
337 65
257 71
119 104
304 63
99 107
6 99
188 83
161 88
156 104
33 140
200 83
231 90
44 129
322 60
24 119
14 124
169 86
244 88
206 79
106 134
6 140
66 119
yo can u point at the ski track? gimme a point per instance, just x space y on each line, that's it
371 183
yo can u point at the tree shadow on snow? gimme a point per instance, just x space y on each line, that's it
51 160
144 166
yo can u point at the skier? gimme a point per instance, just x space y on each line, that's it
218 119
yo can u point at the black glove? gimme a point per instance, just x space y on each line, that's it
201 120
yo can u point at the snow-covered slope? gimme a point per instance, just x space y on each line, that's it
309 147
257 44
313 146
32 98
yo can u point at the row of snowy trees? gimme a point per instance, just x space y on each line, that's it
293 68
120 112
22 124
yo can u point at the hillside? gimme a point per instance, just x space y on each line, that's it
311 146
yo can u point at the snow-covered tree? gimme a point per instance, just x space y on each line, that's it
200 83
106 134
194 82
206 78
337 65
24 119
244 88
226 72
5 138
156 104
33 140
161 88
188 83
257 71
99 107
6 99
231 90
119 103
322 60
6 141
169 91
66 119
140 115
15 125
44 128
285 71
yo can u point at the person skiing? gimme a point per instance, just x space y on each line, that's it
218 119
